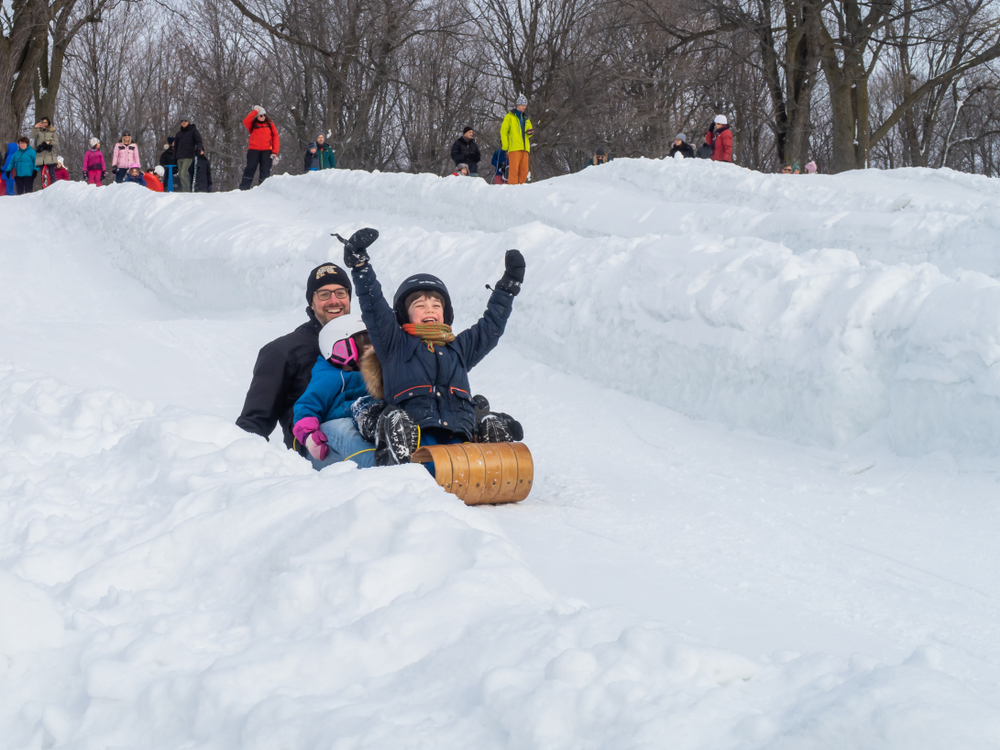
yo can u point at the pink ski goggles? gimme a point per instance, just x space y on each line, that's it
345 352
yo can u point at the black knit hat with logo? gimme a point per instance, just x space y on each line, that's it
328 273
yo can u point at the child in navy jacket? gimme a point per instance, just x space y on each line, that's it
425 367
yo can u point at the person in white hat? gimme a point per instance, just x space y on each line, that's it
722 143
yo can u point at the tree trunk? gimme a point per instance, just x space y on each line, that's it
20 55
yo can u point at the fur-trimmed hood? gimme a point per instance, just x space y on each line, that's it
371 371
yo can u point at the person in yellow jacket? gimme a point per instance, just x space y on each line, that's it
515 139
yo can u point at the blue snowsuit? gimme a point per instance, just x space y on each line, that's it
8 177
328 397
330 393
430 383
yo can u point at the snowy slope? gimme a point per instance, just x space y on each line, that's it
170 581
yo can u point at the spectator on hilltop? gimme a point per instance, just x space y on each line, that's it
187 143
263 147
153 178
722 140
61 172
8 178
168 160
600 157
21 166
311 160
46 142
133 174
682 147
94 168
515 139
466 151
124 156
327 157
499 162
201 173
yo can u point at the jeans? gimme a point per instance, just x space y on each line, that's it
24 185
344 441
256 159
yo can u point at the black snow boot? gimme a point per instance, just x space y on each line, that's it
396 437
366 411
495 427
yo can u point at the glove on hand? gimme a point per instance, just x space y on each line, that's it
307 432
274 158
513 273
355 248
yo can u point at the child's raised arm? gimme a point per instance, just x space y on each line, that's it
476 342
380 320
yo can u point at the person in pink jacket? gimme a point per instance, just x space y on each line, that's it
94 168
124 156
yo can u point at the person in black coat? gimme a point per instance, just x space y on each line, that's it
284 366
187 143
201 177
706 149
311 161
466 151
682 147
168 160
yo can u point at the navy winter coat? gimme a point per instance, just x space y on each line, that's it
330 393
431 386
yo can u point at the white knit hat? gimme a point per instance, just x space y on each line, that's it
721 120
93 142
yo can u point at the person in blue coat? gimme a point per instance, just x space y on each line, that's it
22 166
424 366
322 417
8 178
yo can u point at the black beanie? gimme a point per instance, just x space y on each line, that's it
466 129
328 273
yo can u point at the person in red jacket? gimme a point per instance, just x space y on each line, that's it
263 148
152 178
722 143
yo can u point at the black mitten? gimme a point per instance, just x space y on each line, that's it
513 273
355 249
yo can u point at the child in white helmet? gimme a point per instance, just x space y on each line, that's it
322 419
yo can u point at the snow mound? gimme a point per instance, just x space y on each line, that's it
722 307
169 581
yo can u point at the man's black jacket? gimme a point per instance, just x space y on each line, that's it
466 152
281 375
187 142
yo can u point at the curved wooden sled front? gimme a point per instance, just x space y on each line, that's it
481 473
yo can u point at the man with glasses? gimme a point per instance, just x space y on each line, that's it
284 366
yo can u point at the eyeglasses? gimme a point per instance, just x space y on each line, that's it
324 294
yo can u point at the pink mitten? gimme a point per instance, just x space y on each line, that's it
316 445
307 432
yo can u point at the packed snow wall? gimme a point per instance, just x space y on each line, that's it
811 308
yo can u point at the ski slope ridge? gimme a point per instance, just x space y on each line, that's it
170 581
812 344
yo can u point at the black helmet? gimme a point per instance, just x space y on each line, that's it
421 282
